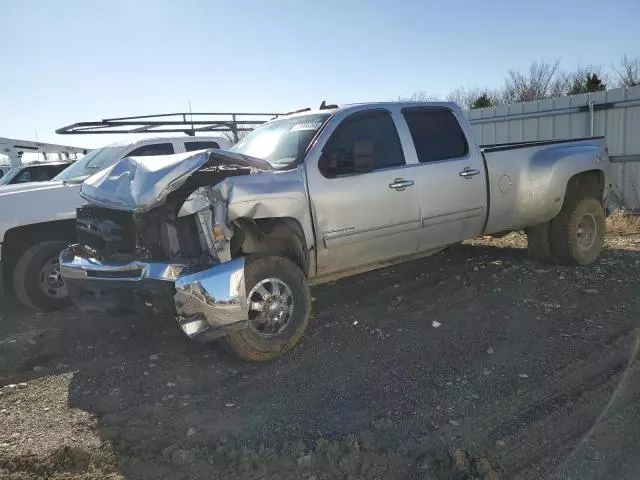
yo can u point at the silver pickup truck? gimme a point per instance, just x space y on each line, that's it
229 241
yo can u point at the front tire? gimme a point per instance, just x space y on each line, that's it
36 278
577 233
279 310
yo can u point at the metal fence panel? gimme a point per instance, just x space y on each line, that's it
615 115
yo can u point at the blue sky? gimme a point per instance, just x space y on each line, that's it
66 61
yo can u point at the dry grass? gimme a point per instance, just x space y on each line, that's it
623 223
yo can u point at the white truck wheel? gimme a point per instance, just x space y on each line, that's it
36 278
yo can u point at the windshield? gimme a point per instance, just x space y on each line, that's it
93 162
281 142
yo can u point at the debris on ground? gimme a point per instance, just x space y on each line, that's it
345 405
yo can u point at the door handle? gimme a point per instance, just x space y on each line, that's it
469 172
400 184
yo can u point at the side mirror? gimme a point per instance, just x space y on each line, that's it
338 161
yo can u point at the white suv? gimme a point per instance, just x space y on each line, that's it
37 220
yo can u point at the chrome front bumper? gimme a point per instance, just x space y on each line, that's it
207 304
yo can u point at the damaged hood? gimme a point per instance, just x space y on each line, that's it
138 184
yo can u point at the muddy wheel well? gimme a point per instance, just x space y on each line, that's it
282 236
589 184
17 240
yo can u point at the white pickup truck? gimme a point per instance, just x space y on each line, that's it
33 172
228 242
37 220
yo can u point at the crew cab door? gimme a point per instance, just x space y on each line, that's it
364 210
450 177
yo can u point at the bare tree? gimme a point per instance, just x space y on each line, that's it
468 98
628 72
543 80
419 96
463 96
241 134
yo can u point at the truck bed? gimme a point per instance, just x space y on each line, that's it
527 180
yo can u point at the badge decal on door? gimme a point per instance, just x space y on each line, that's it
340 229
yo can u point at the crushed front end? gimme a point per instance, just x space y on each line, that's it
155 236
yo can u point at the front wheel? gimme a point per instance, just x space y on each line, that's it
577 233
279 303
36 278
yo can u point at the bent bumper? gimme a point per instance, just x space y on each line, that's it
207 304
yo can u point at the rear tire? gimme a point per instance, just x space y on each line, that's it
577 233
539 243
36 278
253 344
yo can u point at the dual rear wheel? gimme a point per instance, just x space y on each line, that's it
574 237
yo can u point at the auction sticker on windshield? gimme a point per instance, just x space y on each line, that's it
305 126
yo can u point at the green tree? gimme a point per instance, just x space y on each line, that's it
483 101
586 83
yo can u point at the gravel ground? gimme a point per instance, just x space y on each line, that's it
473 363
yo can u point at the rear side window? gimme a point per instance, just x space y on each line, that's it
374 127
155 149
436 134
193 146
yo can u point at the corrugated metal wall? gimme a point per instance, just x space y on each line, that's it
614 114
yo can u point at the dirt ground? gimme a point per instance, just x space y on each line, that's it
473 363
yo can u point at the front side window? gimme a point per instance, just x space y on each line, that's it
281 142
40 174
53 170
154 149
374 132
194 146
436 134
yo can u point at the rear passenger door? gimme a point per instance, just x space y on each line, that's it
450 177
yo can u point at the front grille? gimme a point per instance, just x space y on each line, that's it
106 231
121 274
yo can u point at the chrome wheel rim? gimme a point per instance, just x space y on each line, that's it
270 306
50 280
587 230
